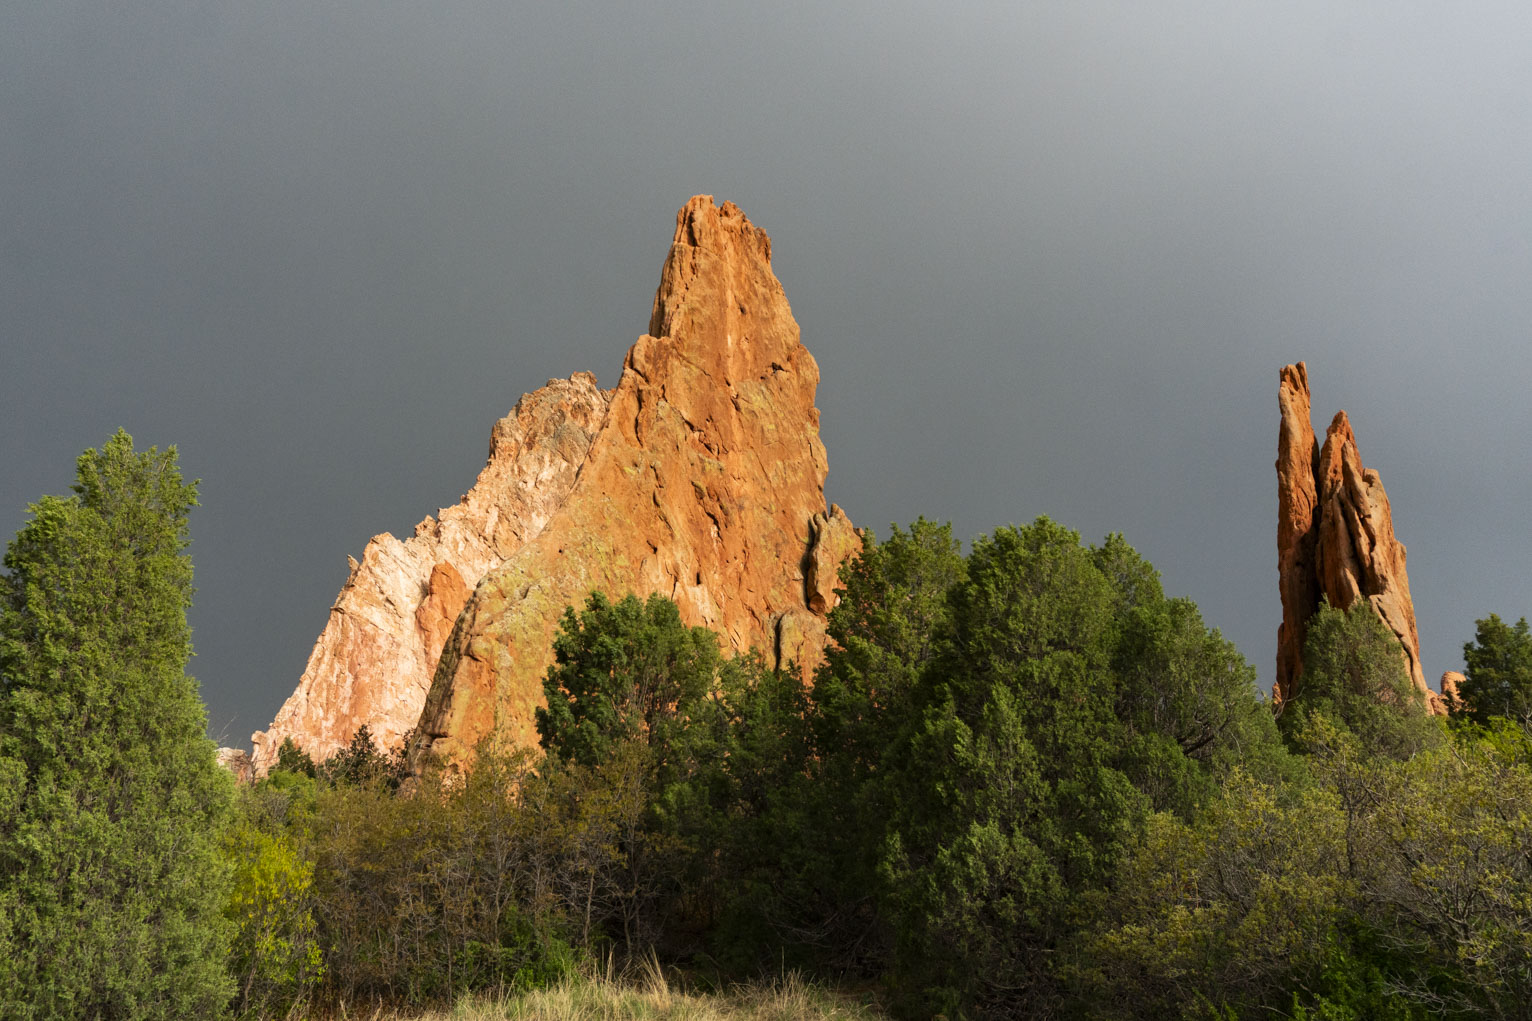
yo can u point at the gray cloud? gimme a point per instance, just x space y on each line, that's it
1050 258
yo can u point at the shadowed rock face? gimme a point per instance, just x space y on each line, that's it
373 662
704 483
1335 538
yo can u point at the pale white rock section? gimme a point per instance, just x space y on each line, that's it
374 660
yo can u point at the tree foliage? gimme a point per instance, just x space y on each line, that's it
1025 782
1008 804
1354 672
1064 698
1497 679
275 958
1223 911
624 671
110 876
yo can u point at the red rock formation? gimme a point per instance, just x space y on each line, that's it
704 484
374 660
1358 556
1297 532
1335 539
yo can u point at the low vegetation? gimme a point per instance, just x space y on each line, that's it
652 996
1025 783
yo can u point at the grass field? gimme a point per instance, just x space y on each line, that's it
651 996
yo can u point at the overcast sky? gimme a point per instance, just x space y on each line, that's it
1050 257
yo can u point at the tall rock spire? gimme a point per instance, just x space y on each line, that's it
1335 539
1358 557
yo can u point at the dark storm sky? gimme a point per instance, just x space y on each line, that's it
1050 257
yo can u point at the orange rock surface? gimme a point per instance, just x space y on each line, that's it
1297 531
705 483
1335 538
373 662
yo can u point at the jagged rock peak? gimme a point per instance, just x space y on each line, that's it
372 664
1335 538
705 484
701 226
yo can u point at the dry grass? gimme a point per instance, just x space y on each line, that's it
649 995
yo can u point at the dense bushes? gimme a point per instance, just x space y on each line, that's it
275 956
1024 783
443 890
364 893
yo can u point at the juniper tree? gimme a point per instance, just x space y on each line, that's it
1498 679
111 803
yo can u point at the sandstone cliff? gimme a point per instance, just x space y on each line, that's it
700 477
705 483
1335 538
373 662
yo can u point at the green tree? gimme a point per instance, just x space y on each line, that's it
750 809
1028 711
1187 699
624 671
1354 672
111 880
292 759
884 634
361 762
631 697
1009 805
1497 679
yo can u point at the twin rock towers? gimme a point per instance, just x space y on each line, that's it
700 477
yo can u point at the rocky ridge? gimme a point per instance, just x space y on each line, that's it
1335 538
699 477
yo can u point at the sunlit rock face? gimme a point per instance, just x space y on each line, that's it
372 664
699 477
1335 538
704 483
1297 523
